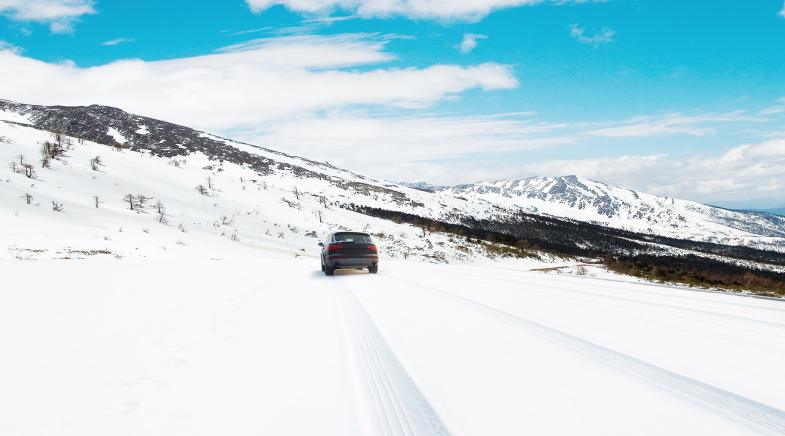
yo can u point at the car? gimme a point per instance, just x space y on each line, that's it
349 250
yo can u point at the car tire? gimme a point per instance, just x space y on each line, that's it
329 271
322 267
373 269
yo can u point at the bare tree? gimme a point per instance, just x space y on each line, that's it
202 190
44 156
131 200
319 213
142 201
95 163
138 202
52 150
296 193
57 207
57 134
160 209
14 167
21 158
29 171
28 198
97 201
210 182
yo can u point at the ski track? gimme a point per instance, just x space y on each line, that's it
398 406
768 327
667 291
748 412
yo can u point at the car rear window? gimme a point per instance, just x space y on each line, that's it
352 237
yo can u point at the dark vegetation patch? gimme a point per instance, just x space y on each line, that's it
622 251
699 271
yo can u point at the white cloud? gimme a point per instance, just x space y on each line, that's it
6 46
469 42
246 85
444 10
117 41
669 124
775 109
58 14
603 36
402 144
742 173
782 11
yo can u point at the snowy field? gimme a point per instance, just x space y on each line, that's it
205 313
266 345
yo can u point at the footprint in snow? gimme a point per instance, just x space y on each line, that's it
125 408
136 380
178 362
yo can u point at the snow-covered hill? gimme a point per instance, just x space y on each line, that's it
247 184
217 198
199 307
590 201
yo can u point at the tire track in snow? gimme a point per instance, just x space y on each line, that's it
767 327
748 412
661 289
398 406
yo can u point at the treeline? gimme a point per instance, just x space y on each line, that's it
622 251
699 271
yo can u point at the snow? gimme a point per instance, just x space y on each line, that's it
218 321
13 117
114 133
265 344
243 211
589 201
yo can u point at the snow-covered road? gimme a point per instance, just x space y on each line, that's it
271 346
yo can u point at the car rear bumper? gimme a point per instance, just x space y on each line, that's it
336 262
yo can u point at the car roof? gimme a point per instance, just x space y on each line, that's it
349 231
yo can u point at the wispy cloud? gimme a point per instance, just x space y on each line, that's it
117 41
670 124
775 109
248 84
603 36
403 145
60 15
330 20
782 11
6 46
469 42
444 10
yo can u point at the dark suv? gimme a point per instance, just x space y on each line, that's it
349 250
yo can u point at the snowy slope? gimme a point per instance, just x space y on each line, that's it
216 319
267 345
567 197
586 200
242 209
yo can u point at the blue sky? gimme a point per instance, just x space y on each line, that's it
675 98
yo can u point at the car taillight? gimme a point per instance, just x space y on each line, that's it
333 247
372 247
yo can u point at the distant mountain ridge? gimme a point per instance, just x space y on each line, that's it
596 202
